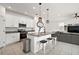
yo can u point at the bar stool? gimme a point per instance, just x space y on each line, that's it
50 43
51 40
54 37
43 42
55 40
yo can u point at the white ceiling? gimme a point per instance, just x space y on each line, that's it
24 7
28 7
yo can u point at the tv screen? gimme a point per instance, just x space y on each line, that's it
74 29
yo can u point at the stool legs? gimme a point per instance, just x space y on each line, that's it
44 48
55 40
50 43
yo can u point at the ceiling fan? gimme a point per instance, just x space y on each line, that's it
76 15
72 15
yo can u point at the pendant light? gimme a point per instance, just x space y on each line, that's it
40 4
47 21
40 23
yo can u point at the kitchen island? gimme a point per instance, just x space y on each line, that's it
35 40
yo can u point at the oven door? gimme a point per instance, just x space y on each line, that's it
23 35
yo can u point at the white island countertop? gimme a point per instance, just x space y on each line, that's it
40 34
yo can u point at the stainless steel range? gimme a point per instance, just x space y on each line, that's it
23 29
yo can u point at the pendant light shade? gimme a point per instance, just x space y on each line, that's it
47 21
40 3
40 23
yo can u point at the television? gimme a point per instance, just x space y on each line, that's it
74 29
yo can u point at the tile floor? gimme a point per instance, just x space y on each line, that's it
60 49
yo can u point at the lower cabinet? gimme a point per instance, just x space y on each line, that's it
65 37
68 38
75 39
12 38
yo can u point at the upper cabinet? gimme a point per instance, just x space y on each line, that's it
26 20
2 11
2 26
11 20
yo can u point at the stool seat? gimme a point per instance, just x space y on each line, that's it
49 38
43 41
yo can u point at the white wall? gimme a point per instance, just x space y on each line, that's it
62 13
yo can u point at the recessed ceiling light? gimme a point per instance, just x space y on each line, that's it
9 7
44 13
34 7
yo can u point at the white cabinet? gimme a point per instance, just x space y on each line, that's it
2 33
12 38
11 20
2 11
2 26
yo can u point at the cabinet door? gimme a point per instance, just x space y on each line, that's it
12 37
68 38
11 20
15 37
65 37
8 39
2 33
8 20
75 39
15 21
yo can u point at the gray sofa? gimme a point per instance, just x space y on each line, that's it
71 38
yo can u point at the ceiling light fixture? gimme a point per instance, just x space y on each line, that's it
34 7
44 13
40 9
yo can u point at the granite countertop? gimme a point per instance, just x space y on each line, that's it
18 31
40 34
11 32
